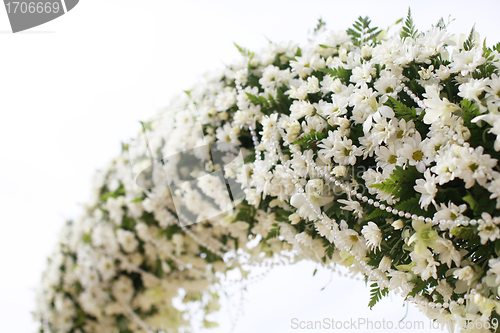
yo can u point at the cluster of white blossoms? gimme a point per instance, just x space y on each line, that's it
373 152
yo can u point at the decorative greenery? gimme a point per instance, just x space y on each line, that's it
378 153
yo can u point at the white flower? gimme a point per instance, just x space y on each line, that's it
309 203
427 188
127 240
339 171
443 72
106 268
227 133
385 264
488 230
412 149
373 236
494 121
400 280
435 106
447 252
472 89
330 84
301 109
123 289
114 207
388 158
495 268
426 265
353 206
494 188
450 212
351 239
340 148
465 274
475 166
445 290
362 73
467 61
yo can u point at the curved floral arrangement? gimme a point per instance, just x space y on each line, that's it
372 152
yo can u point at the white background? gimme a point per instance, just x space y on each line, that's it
71 90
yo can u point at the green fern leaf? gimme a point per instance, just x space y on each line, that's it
471 40
376 294
409 29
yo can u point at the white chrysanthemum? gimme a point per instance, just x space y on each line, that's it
427 188
123 289
373 236
127 240
488 230
467 61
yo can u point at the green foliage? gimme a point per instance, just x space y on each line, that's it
401 183
378 213
169 231
409 29
258 100
441 25
470 110
311 139
471 40
87 238
339 72
411 206
420 287
401 110
361 33
376 294
244 51
270 104
250 157
466 233
274 232
488 67
329 251
118 192
138 199
246 213
320 25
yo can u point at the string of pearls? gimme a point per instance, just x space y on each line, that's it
372 272
449 224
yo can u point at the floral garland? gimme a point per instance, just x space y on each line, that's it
372 152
